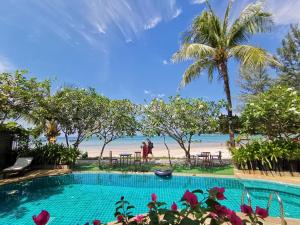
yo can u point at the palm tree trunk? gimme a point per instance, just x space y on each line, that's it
224 73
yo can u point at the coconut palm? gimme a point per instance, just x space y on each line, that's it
211 42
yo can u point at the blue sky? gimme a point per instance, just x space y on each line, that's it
121 48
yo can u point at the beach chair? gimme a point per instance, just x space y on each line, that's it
19 167
137 158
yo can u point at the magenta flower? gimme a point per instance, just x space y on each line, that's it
213 215
139 218
120 218
42 218
153 197
234 219
219 192
262 213
174 207
246 209
96 222
222 211
190 198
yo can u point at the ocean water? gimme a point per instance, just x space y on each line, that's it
157 140
78 198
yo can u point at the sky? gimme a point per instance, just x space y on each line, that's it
120 47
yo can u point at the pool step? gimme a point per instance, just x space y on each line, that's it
272 194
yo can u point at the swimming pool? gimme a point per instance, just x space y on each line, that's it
78 198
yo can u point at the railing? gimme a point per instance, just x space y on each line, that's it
246 192
283 222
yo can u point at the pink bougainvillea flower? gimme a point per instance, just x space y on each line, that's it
120 218
96 222
153 197
234 219
219 192
222 211
190 198
139 218
42 218
262 213
246 209
213 215
174 207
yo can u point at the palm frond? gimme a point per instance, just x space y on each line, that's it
193 51
251 56
253 19
226 17
194 71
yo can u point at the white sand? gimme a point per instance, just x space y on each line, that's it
159 150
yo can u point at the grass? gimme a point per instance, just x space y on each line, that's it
222 170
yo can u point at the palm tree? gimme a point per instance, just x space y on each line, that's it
211 42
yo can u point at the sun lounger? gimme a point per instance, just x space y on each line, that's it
20 166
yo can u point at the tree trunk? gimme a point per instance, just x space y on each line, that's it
101 153
169 155
224 73
67 139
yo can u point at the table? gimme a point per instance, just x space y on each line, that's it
125 157
205 158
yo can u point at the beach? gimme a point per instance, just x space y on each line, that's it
159 149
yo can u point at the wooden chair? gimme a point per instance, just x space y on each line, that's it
137 158
112 160
217 157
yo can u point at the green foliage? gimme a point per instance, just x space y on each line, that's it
52 154
275 113
266 153
180 118
20 95
289 54
117 119
224 121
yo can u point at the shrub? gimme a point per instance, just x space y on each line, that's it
53 154
271 155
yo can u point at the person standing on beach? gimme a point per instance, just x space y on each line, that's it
150 147
145 151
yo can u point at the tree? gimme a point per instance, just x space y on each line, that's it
20 95
223 124
289 54
211 42
275 113
254 81
117 120
77 110
181 119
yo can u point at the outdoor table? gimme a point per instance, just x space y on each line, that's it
205 157
125 157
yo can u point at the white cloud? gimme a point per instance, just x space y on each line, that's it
94 20
177 13
153 95
147 92
152 23
284 12
165 62
5 65
197 1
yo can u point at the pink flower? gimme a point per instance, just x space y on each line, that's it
219 192
262 213
120 218
139 219
96 222
213 215
42 218
222 211
246 209
174 207
153 197
191 198
234 219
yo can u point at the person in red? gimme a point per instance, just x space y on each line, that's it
145 151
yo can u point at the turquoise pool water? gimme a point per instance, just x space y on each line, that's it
77 198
